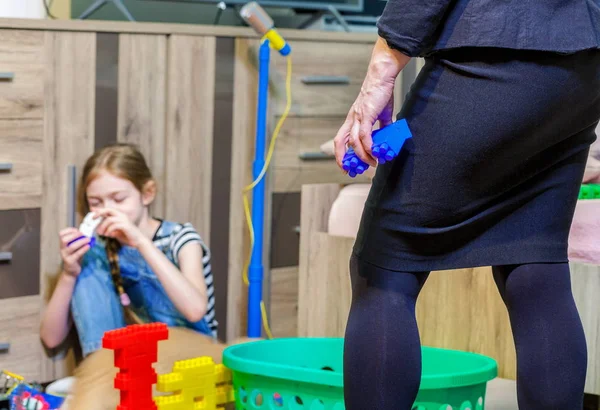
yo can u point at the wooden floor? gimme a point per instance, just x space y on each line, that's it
502 395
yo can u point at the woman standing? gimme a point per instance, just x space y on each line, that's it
502 116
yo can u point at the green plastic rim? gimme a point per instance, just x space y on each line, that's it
306 359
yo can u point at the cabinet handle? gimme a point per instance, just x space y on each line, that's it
72 192
326 80
6 256
314 156
5 166
6 76
296 229
4 347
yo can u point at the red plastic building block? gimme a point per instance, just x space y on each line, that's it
135 335
136 350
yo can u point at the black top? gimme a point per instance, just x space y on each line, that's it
419 27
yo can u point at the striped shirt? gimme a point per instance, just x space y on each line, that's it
171 238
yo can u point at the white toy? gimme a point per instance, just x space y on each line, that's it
88 227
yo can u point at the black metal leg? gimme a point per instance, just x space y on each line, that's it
93 8
311 19
123 9
336 14
98 4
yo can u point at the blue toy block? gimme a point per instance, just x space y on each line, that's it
387 142
92 240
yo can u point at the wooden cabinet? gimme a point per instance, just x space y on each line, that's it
20 301
19 253
326 77
326 80
21 74
327 74
48 112
21 117
294 162
69 118
20 162
20 349
22 69
186 95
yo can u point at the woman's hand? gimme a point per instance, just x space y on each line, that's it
375 102
117 225
72 250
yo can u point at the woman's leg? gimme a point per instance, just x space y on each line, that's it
382 352
549 338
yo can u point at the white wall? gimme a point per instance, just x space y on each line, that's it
22 8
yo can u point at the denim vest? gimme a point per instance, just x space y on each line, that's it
96 307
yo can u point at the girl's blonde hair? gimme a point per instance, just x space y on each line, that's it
122 160
127 162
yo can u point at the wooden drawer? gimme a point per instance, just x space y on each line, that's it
306 135
326 77
20 347
19 253
20 163
284 301
21 73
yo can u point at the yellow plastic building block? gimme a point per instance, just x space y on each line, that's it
223 374
196 384
224 395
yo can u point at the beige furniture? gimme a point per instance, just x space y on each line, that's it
319 109
501 394
49 119
458 309
185 94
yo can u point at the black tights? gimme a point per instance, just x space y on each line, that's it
382 353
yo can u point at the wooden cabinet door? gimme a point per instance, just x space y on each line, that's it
70 78
189 140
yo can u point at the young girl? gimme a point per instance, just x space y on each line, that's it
140 269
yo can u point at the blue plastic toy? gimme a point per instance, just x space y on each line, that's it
27 397
387 143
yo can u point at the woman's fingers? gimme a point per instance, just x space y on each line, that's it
340 141
364 135
357 135
356 142
387 115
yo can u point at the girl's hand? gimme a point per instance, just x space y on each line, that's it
117 225
72 252
375 102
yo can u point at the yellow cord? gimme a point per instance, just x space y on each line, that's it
288 107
